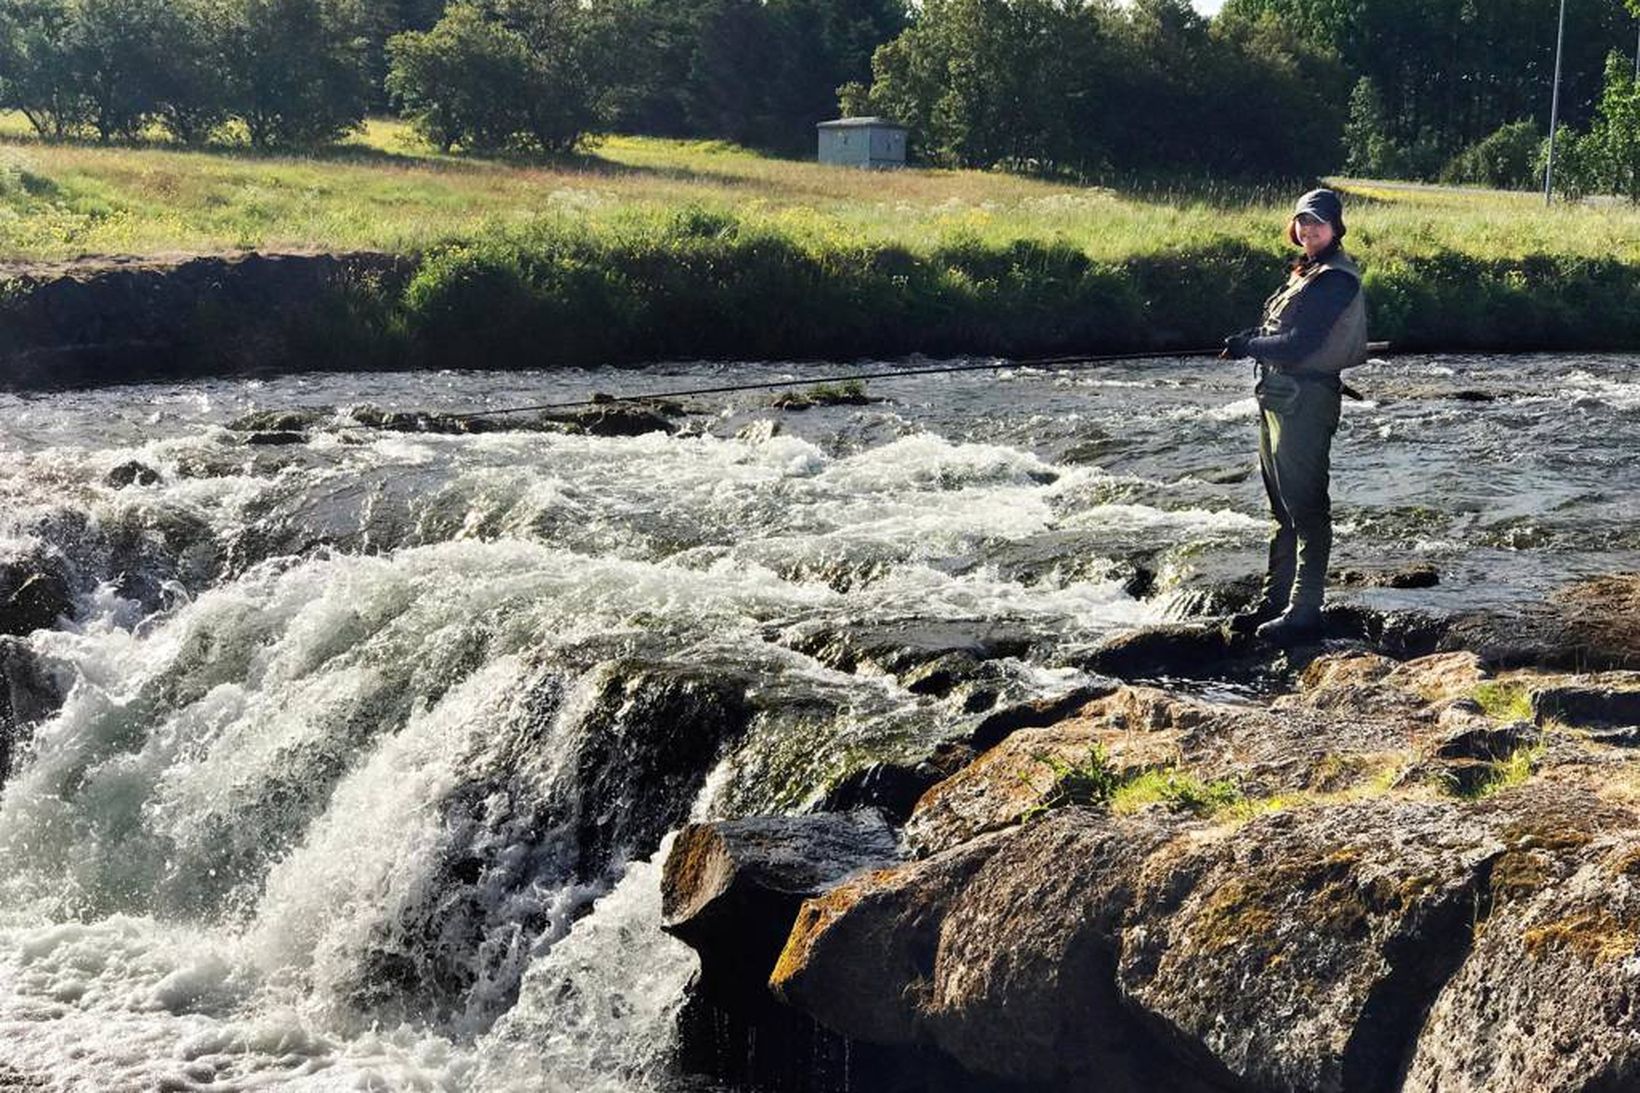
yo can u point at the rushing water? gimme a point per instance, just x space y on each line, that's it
345 791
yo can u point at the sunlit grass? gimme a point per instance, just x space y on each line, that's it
386 190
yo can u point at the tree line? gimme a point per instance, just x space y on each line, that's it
1454 89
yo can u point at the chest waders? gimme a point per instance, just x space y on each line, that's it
1298 415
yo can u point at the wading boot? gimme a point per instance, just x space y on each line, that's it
1300 622
1243 623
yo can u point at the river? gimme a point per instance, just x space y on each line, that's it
370 744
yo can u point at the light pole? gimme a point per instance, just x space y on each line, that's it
1554 111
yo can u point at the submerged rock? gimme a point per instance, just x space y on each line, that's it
131 473
34 592
28 695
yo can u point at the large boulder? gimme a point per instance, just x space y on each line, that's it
1545 1001
1300 952
1023 983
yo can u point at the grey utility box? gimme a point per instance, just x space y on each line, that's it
862 142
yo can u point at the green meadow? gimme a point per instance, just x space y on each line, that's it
645 248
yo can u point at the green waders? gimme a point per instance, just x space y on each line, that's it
1297 420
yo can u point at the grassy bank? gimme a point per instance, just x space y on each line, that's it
652 249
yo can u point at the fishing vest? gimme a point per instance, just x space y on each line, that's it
1346 343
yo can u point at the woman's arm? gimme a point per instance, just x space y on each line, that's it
1313 315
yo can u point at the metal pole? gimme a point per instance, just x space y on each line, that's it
1554 111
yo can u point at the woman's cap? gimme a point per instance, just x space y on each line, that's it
1323 205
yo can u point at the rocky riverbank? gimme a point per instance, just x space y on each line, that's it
1412 865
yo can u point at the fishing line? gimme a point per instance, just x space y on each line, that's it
861 377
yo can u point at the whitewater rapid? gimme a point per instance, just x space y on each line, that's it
345 790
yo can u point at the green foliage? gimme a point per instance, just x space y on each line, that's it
463 82
39 75
1504 160
1089 89
1091 781
1449 72
296 74
1499 775
1178 791
1614 139
1505 701
1577 163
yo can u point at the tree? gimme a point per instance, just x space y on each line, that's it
1369 149
296 70
38 73
1615 135
985 82
464 81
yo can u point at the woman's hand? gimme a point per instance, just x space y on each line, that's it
1235 346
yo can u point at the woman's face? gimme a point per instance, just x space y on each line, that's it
1314 235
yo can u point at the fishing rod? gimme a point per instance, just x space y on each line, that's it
861 377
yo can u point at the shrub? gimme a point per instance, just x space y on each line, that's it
1505 160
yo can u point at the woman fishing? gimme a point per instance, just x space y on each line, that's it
1314 327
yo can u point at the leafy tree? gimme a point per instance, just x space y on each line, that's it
984 82
1450 72
122 54
464 81
192 87
1369 149
1615 135
1577 164
296 70
38 73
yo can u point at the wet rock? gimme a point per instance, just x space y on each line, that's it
730 890
1037 713
275 439
34 592
1412 576
1302 951
1544 1002
131 473
894 788
1183 650
834 394
1586 626
280 421
616 419
894 915
899 648
28 695
1608 704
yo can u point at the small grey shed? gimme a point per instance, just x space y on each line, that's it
862 142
